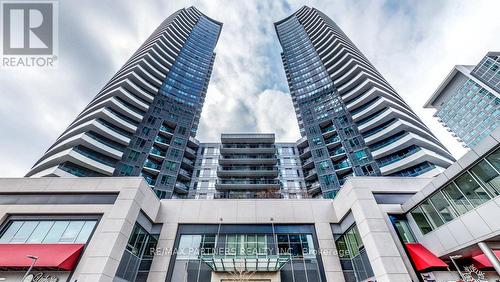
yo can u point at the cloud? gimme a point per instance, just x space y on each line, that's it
413 44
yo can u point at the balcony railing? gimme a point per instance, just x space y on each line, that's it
248 181
342 165
333 139
166 129
398 156
247 146
150 164
337 152
162 140
238 157
328 129
247 168
158 152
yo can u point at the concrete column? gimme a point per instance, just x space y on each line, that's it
490 255
329 255
385 259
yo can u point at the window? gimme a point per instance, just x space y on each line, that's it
47 231
471 189
431 214
457 199
360 155
488 176
126 169
421 220
133 155
443 207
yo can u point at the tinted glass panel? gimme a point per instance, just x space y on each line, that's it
457 199
471 189
431 214
488 176
421 220
40 232
24 232
443 207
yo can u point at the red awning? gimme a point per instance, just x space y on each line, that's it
423 258
60 256
481 261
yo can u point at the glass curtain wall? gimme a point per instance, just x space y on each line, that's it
474 187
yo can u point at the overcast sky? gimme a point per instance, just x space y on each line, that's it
414 44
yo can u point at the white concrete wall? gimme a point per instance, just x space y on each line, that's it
102 255
305 211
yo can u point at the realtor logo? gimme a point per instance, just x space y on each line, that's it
29 33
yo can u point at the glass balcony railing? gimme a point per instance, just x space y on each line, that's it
342 165
95 156
162 140
166 129
158 152
191 151
247 168
247 146
188 161
152 165
388 141
307 161
185 173
235 157
398 156
339 151
308 173
327 129
333 139
248 181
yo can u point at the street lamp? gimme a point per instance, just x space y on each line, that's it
453 258
33 261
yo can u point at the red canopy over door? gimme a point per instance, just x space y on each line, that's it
60 256
423 258
481 261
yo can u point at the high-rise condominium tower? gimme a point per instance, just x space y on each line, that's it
352 121
144 120
467 102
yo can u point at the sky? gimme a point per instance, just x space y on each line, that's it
414 44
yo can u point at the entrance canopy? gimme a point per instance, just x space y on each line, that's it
245 263
422 258
481 261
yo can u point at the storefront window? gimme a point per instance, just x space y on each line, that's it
353 257
47 231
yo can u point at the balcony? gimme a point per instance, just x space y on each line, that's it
306 152
190 152
337 154
186 174
314 188
162 141
247 159
308 163
247 148
247 171
166 130
308 175
157 155
152 167
332 141
247 184
181 188
342 167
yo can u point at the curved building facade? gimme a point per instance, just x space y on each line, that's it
144 120
352 121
